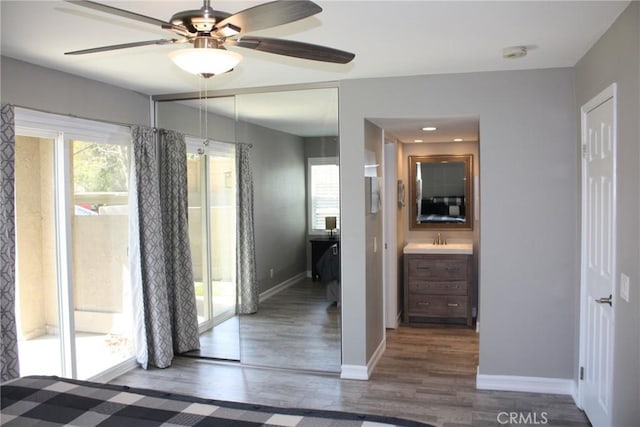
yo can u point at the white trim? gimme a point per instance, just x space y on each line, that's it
115 371
377 355
354 372
281 286
526 384
610 92
28 122
360 372
389 232
64 254
395 322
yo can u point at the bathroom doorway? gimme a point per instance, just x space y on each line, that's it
405 137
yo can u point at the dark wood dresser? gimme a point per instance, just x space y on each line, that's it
318 246
437 287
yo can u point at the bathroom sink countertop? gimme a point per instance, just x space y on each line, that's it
430 248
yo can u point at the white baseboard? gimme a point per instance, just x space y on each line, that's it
371 365
281 286
526 384
394 323
354 372
360 372
115 371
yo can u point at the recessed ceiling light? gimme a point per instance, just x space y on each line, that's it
429 128
458 139
418 140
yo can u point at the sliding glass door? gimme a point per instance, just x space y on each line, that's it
100 267
222 230
211 186
72 284
37 292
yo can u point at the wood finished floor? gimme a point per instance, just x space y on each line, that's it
297 328
426 374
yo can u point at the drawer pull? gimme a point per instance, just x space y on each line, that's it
423 303
451 304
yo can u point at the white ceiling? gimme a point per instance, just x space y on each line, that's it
389 38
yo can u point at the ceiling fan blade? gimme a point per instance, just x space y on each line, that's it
125 46
269 15
295 49
127 14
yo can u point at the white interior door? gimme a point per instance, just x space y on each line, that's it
598 256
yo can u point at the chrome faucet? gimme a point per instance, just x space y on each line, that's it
439 240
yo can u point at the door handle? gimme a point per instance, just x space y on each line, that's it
605 301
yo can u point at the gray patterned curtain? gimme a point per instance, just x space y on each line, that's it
246 259
154 293
177 251
8 336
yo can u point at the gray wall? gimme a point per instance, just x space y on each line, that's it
185 119
30 86
278 164
321 146
616 58
528 263
438 179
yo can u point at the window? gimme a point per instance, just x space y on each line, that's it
323 192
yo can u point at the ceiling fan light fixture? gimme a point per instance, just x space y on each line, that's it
205 62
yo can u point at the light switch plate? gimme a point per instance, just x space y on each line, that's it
624 287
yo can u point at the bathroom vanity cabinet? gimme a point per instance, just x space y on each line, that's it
437 286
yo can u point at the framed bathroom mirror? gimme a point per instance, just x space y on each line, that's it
441 192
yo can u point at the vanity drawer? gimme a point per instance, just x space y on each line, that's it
438 306
420 286
438 268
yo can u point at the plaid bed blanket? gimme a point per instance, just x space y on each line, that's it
53 401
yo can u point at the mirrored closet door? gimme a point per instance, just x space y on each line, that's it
297 324
293 139
212 186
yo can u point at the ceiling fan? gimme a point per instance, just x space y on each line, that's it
210 31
